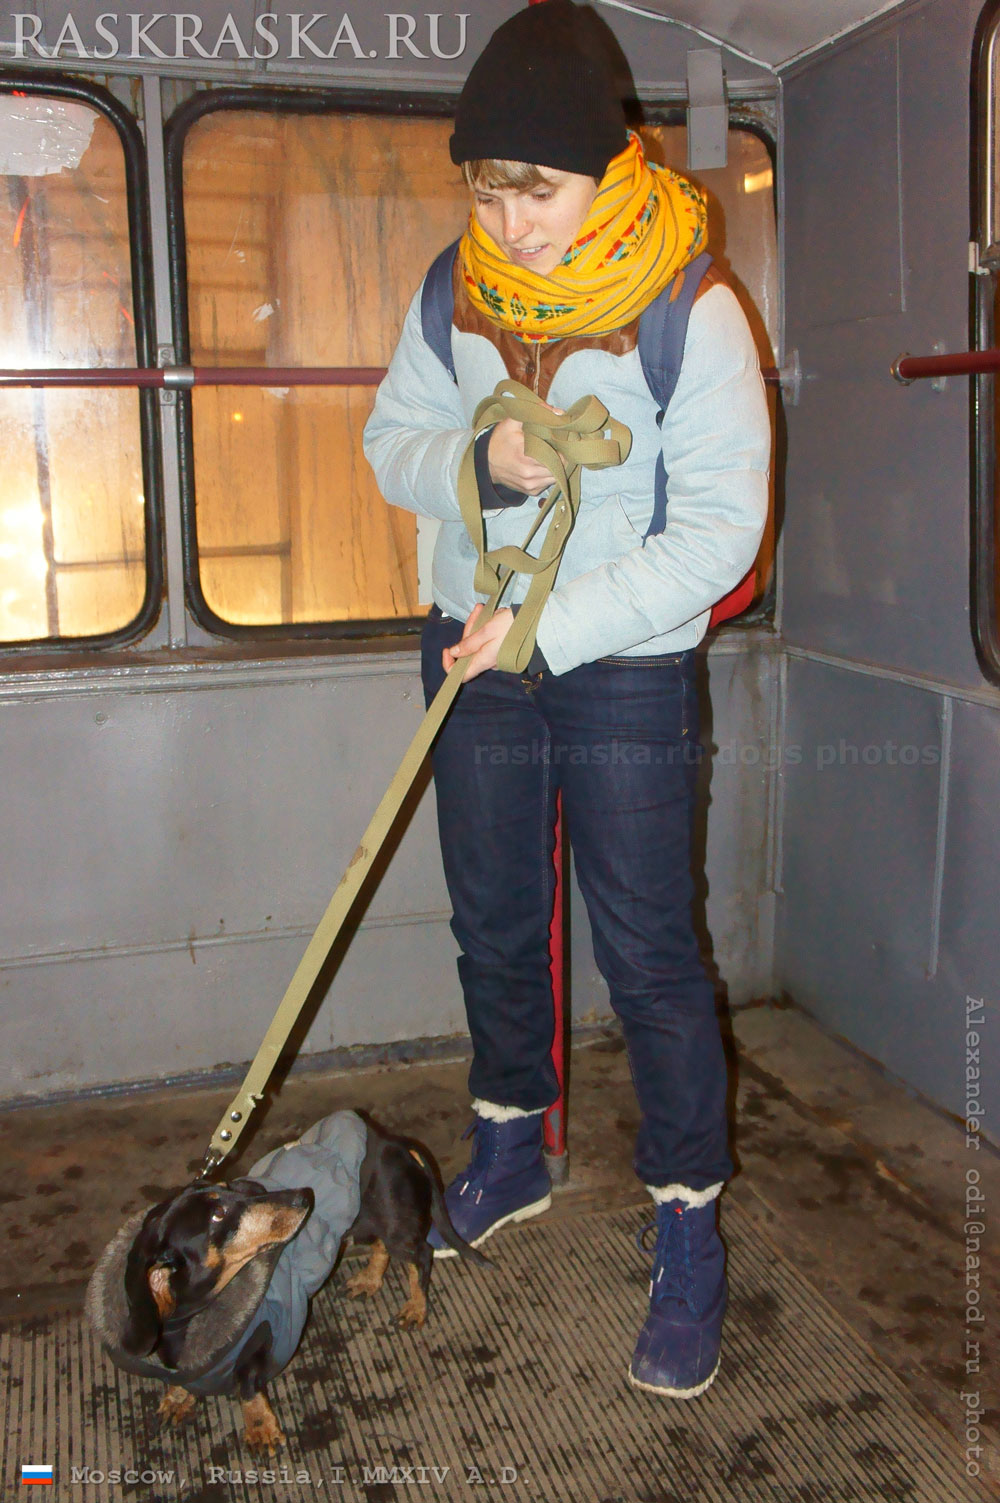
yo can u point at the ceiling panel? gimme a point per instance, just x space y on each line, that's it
774 31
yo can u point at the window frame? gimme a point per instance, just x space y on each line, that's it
984 293
62 86
281 100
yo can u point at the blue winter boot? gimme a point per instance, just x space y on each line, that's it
506 1181
677 1353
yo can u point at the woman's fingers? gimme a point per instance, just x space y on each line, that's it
509 465
482 646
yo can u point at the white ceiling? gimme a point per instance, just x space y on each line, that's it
772 31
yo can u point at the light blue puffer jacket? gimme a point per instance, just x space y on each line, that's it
614 595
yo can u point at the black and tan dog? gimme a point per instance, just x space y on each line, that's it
209 1290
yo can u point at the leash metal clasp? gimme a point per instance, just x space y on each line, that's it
213 1158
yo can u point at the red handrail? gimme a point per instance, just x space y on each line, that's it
184 377
909 368
554 1121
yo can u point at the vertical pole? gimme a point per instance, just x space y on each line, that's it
555 1117
172 536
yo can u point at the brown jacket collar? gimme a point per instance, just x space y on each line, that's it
535 365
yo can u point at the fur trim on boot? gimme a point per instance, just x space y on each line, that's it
491 1112
662 1193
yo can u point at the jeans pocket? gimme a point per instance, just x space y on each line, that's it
656 660
439 631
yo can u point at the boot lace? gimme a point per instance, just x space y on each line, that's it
482 1154
671 1272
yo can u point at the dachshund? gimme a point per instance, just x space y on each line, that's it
193 1246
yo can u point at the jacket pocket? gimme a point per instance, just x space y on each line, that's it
634 513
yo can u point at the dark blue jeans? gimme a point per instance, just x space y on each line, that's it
619 737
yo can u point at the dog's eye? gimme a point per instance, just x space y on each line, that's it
218 1215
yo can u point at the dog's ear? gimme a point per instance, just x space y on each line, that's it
248 1186
143 1265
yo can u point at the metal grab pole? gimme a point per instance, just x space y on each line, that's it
184 377
909 368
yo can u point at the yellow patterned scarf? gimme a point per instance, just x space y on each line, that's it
644 225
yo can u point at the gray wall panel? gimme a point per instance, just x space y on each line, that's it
120 1017
212 808
861 776
837 116
856 928
970 919
174 846
876 526
969 951
935 59
858 862
887 919
876 534
735 814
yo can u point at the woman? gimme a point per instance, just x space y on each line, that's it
570 237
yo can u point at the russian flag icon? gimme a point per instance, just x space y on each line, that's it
37 1474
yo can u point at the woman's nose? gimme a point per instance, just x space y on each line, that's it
515 221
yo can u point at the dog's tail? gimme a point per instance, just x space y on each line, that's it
440 1219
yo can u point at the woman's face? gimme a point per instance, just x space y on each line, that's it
535 227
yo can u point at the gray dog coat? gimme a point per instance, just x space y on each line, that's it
276 1286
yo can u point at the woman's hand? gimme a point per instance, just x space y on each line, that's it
509 465
481 646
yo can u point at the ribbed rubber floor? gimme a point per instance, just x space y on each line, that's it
517 1379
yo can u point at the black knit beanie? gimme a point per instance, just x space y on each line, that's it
542 91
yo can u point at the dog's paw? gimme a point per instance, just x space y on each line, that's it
413 1313
175 1406
266 1436
261 1429
363 1285
369 1281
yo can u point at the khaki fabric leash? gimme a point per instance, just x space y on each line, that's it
584 437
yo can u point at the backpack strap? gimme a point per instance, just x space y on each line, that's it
662 335
437 306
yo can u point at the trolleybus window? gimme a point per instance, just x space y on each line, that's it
72 496
306 236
